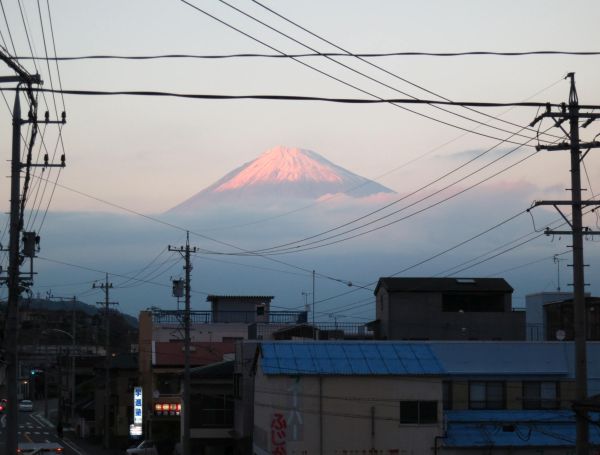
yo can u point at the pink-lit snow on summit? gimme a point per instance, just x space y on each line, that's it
282 164
279 176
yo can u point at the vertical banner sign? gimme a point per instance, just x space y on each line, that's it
137 406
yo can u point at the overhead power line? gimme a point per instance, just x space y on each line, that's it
308 54
373 65
202 96
341 81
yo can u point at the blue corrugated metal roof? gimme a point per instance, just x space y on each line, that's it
348 358
472 429
503 358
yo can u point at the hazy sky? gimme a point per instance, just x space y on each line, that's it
149 154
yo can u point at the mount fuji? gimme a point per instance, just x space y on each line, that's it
282 174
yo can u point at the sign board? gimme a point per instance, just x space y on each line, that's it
135 431
137 406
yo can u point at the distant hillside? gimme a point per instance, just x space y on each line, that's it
67 305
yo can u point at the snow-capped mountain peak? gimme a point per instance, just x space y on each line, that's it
283 173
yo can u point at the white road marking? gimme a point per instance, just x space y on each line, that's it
72 445
41 420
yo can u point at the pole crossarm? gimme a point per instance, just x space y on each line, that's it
558 202
585 231
24 75
567 146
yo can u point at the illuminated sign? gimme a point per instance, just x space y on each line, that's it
167 409
137 406
135 431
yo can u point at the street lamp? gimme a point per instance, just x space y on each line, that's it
72 407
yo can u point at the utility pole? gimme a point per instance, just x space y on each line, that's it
106 286
186 408
72 381
14 288
313 306
571 112
15 281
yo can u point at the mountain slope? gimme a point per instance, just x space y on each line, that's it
281 173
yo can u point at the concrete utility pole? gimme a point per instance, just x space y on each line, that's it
14 288
16 282
106 286
186 408
573 115
72 381
313 306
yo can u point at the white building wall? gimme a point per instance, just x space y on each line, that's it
213 332
534 312
342 414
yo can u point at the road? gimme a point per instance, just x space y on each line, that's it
33 427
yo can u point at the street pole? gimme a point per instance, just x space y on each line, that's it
580 332
13 279
73 375
106 286
14 289
186 408
313 306
46 379
573 115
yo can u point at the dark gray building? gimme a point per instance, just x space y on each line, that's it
559 319
446 309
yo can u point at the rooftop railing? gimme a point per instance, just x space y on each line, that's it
246 317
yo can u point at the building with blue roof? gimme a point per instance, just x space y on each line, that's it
415 397
346 397
514 432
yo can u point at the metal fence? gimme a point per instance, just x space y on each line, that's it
247 317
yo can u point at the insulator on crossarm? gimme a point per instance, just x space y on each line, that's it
46 159
62 160
64 117
47 116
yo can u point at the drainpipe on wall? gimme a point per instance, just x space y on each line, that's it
373 429
435 444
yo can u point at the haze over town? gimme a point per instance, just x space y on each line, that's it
132 159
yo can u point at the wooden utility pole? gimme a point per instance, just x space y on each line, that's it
186 408
571 112
106 286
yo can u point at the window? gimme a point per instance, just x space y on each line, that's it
447 395
214 411
418 412
469 303
232 339
540 395
487 395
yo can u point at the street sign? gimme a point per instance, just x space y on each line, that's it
137 406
